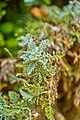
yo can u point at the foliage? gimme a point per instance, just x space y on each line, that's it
38 67
13 109
41 68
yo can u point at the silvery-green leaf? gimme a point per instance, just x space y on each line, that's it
30 68
26 96
43 61
43 44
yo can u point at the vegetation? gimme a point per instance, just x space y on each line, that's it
41 80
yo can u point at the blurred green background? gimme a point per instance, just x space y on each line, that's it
14 16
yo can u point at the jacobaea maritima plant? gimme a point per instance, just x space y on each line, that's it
38 89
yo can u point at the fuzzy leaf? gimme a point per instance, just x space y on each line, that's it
43 44
30 68
26 96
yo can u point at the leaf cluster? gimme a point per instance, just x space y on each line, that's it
38 66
